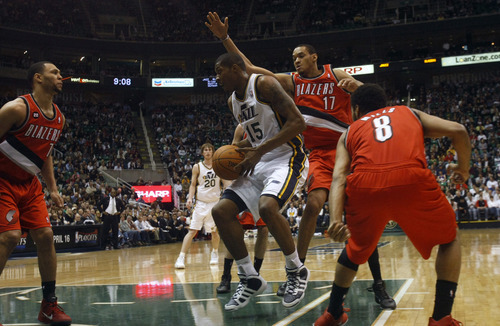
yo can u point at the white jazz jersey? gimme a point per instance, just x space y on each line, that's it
208 189
259 120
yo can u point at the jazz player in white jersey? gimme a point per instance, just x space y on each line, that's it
274 166
207 186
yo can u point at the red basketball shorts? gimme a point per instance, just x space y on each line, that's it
409 196
321 163
247 221
22 206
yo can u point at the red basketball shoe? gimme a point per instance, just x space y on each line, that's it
326 319
51 313
445 321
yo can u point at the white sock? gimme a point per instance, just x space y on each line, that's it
182 255
245 266
292 261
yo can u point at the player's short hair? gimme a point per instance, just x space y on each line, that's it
229 59
310 49
369 97
36 68
207 145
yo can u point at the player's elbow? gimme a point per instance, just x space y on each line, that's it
301 124
459 132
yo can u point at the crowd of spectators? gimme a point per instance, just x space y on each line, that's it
98 137
182 21
476 105
180 130
174 21
64 17
140 224
323 16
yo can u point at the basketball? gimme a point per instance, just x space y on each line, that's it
224 161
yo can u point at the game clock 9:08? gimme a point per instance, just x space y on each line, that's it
124 81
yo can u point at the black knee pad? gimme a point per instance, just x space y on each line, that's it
345 261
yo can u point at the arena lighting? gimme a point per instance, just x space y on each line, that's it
430 60
384 65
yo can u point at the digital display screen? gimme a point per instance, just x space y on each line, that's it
122 81
172 82
210 82
151 193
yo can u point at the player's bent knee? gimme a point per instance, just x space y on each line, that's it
268 207
224 211
10 238
218 212
313 207
43 236
345 261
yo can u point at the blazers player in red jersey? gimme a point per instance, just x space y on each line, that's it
322 96
381 171
30 126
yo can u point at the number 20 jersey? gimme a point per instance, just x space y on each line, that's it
208 188
23 151
386 138
261 122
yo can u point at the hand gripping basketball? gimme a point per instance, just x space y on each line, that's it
225 160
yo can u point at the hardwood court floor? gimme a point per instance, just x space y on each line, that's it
139 286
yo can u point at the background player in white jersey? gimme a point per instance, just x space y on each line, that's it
273 168
207 187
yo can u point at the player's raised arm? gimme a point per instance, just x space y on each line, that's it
220 30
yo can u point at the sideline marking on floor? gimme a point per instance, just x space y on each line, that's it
399 295
302 311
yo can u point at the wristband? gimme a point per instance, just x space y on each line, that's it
227 37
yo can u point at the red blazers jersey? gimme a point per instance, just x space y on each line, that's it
326 108
386 138
24 150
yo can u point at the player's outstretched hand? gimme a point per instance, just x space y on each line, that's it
216 26
349 84
338 232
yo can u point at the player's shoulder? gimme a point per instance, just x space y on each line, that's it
266 83
15 104
15 110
